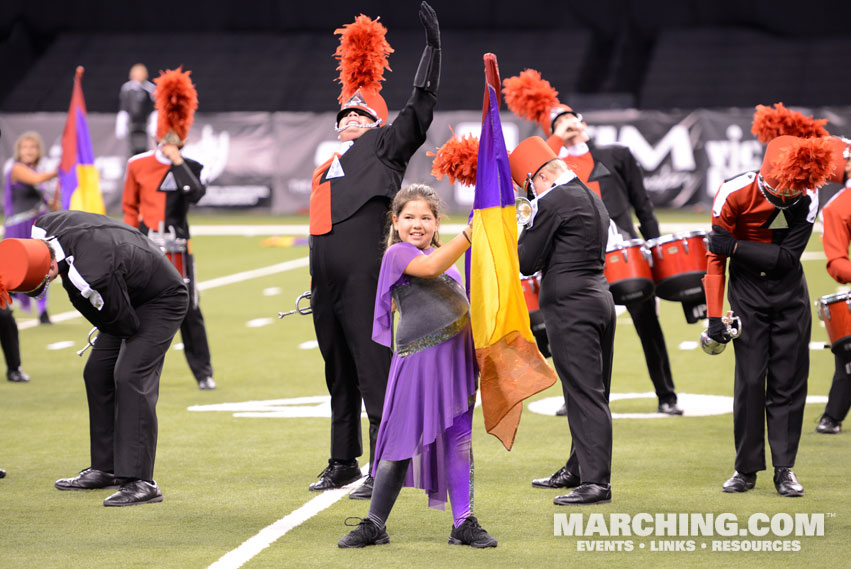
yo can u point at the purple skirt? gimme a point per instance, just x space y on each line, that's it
426 391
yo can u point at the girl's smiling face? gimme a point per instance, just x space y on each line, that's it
416 224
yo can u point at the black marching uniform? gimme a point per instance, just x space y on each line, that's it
621 186
344 266
9 340
768 291
136 103
124 285
567 242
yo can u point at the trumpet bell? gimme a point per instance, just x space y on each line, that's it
524 210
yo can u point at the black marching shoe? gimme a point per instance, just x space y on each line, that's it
367 533
88 479
586 494
739 482
669 408
364 491
562 411
336 475
44 318
561 479
17 376
134 493
787 483
472 534
827 426
206 384
2 473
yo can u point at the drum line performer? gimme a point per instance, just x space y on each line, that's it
159 187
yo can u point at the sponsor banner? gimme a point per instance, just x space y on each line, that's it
265 160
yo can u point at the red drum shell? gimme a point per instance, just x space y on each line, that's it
679 264
835 311
628 272
179 261
531 290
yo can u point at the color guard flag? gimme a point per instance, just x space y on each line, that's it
78 179
511 366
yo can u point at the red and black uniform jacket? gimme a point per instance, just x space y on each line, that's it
157 191
372 167
766 266
836 220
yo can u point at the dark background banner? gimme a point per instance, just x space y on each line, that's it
265 160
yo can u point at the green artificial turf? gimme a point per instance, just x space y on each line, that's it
225 478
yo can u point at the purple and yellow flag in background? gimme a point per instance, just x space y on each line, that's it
79 185
511 366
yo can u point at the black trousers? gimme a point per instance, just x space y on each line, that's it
122 379
772 365
344 266
649 331
193 333
9 339
839 399
581 327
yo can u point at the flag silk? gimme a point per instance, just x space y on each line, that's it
79 184
511 366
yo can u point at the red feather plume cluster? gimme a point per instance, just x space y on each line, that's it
769 123
529 96
362 54
805 164
457 159
176 101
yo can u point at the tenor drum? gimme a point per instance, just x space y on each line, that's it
628 270
835 311
679 264
531 290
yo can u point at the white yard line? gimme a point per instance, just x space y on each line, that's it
206 285
271 533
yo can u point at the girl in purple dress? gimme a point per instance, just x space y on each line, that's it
24 202
426 428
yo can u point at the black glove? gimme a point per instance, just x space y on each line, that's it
429 20
720 242
717 330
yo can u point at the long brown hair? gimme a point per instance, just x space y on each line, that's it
408 194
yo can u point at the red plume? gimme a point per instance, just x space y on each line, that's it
805 164
176 101
457 159
529 96
362 54
769 123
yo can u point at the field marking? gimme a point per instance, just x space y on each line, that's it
205 285
267 536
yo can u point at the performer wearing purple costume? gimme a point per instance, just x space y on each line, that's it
23 202
425 437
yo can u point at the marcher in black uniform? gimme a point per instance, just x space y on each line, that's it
762 221
136 103
159 187
349 206
121 282
612 173
566 240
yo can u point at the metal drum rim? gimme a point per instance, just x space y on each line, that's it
625 245
833 298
